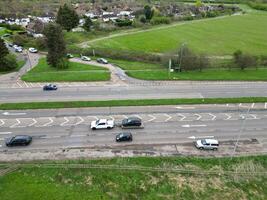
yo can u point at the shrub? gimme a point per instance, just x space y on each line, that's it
63 63
160 20
125 22
244 60
9 63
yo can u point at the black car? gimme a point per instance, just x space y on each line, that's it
50 87
123 137
19 140
102 61
131 121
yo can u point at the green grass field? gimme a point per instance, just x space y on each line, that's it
76 72
38 182
221 36
212 75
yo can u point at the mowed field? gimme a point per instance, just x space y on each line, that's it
143 178
217 36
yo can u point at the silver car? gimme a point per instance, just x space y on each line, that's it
209 144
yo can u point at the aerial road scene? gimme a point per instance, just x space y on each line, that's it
133 100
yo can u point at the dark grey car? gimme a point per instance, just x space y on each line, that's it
19 140
131 122
124 137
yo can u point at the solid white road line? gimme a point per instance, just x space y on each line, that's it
5 133
194 125
180 107
252 105
265 105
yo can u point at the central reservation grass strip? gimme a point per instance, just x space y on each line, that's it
76 72
138 102
66 183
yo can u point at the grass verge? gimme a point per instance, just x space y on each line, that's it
76 72
212 75
115 181
138 102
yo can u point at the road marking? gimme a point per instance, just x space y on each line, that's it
112 118
50 137
5 133
2 122
228 116
198 116
213 116
48 123
200 137
19 85
26 84
78 136
34 122
180 107
196 125
183 117
65 122
8 113
152 118
81 120
15 125
96 118
168 117
125 116
265 105
252 105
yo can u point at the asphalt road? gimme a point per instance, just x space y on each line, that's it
145 91
65 128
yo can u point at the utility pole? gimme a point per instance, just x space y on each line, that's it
181 55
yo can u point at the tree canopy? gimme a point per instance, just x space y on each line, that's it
67 17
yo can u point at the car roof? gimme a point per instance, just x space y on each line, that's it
21 136
102 120
125 133
212 141
134 118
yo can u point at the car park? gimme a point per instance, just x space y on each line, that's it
208 144
19 140
33 50
124 137
102 61
85 58
131 122
50 87
10 44
18 49
102 124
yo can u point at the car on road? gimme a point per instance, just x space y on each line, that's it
102 124
208 144
50 87
85 58
19 140
33 50
124 137
131 122
17 48
102 61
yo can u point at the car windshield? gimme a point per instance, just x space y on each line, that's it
203 142
97 122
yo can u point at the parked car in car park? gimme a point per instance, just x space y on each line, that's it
19 140
102 124
17 48
208 144
50 87
33 50
132 122
102 61
85 58
123 137
69 55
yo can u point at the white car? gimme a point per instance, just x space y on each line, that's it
209 144
18 48
85 58
33 50
102 124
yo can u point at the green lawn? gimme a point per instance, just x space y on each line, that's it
76 72
38 182
213 75
221 36
133 65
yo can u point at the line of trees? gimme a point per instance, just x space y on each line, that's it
7 60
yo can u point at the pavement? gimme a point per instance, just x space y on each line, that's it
166 129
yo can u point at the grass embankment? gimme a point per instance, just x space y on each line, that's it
221 36
76 72
138 102
144 181
150 71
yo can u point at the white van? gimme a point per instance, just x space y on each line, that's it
209 144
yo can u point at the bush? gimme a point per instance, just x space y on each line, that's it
125 22
212 14
9 63
63 63
244 60
258 5
13 27
160 20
